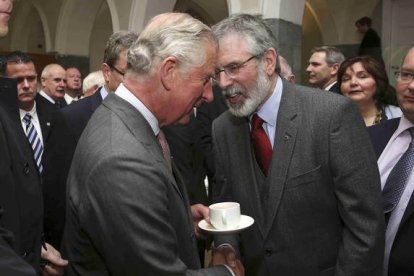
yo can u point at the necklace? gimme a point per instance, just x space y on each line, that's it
378 117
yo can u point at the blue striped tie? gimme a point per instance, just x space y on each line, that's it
397 179
34 141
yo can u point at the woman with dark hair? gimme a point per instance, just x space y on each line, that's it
364 81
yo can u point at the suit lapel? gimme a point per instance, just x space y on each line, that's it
285 138
409 211
246 165
141 130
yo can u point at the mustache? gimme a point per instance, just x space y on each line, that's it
234 91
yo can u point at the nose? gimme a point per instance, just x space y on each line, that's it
308 69
208 93
26 83
224 81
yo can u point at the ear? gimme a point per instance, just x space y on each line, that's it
106 71
168 70
269 60
335 69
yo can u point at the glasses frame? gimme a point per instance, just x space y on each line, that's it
117 70
235 67
398 76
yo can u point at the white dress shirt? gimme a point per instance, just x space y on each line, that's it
397 145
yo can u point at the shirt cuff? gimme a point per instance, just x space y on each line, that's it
231 271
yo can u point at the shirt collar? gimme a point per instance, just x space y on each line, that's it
329 86
268 112
103 92
32 112
403 126
43 93
127 95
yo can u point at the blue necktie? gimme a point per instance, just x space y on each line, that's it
397 179
34 141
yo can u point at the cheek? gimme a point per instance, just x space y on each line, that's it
369 86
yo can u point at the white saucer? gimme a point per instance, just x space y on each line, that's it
245 222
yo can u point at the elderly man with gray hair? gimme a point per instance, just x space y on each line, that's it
128 210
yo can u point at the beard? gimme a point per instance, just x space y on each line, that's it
3 30
253 97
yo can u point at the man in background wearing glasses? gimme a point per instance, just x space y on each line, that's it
392 141
67 126
298 161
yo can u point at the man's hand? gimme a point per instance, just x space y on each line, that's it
54 263
199 212
225 254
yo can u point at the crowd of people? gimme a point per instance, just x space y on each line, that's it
107 177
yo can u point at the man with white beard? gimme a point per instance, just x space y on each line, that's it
298 161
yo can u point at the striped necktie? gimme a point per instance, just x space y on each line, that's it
34 141
165 148
397 179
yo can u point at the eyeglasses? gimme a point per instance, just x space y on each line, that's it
232 69
404 77
117 70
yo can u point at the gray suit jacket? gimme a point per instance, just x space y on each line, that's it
324 212
126 213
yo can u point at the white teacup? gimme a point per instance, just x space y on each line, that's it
225 215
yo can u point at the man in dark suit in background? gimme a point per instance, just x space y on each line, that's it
371 42
323 68
297 160
21 216
392 141
53 84
127 207
21 67
68 124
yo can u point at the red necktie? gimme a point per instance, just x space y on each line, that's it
261 144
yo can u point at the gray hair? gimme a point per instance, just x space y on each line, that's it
253 28
48 68
94 78
333 54
170 34
118 42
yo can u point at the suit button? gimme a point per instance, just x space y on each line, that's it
268 252
26 168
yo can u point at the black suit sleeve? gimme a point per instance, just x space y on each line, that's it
57 159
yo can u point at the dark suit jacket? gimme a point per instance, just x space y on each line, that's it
336 89
45 110
68 124
324 210
188 159
20 194
402 251
127 214
206 114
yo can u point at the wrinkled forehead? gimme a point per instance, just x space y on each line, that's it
232 46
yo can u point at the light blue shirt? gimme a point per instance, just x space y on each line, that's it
269 111
127 95
103 92
397 145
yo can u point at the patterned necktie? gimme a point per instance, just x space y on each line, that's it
261 144
165 148
34 141
397 179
